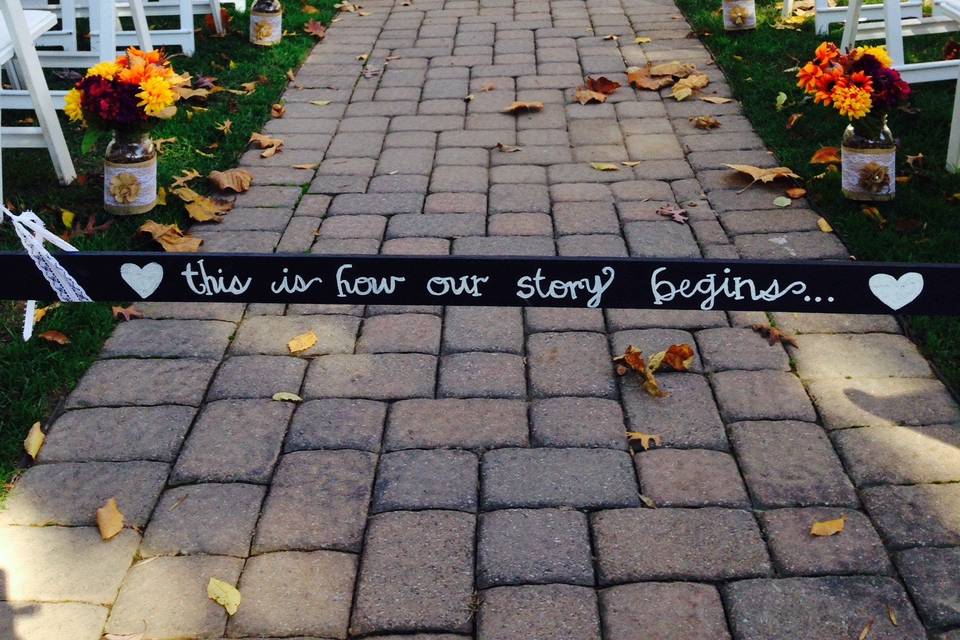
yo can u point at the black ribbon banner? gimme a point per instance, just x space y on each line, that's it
627 283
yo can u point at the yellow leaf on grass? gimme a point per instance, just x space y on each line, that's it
645 439
238 180
57 337
287 396
604 166
34 440
226 127
109 519
224 594
162 196
824 225
66 217
186 176
302 342
40 313
828 527
762 175
520 107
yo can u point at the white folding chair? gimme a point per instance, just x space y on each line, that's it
953 146
18 33
825 15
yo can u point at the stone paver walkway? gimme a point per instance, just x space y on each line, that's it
464 472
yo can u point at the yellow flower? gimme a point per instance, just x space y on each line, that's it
106 70
72 105
852 101
156 96
879 52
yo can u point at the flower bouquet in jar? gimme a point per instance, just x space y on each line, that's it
863 87
126 97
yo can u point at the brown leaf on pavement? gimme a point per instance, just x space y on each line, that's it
237 180
521 107
632 360
762 175
704 122
774 335
34 441
602 85
641 79
646 439
826 528
127 313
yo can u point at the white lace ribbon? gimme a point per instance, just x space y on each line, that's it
33 234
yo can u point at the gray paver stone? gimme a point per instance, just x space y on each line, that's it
167 597
400 333
737 348
296 592
483 329
788 463
208 519
70 493
473 423
257 377
537 478
933 579
688 417
678 544
52 620
761 395
426 479
143 383
883 402
270 334
691 478
831 607
169 339
870 355
570 364
856 550
539 612
330 490
577 422
684 611
337 423
900 455
234 441
374 376
416 573
533 546
916 515
118 434
482 375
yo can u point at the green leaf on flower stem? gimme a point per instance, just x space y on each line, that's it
90 138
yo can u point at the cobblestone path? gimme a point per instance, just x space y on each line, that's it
464 472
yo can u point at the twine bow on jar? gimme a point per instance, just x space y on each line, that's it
125 188
263 31
739 15
874 177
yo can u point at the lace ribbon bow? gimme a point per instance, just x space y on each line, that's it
33 234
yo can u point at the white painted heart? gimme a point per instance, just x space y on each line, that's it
896 292
144 280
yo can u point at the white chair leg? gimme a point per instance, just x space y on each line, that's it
787 8
893 23
186 25
36 84
217 17
140 25
851 25
953 146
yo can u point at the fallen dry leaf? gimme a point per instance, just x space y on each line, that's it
632 360
645 439
287 396
160 143
641 79
892 614
824 225
237 180
109 519
642 40
302 342
874 214
41 312
675 69
716 99
678 357
602 85
125 636
202 208
316 29
685 87
269 145
127 313
774 335
915 162
631 163
648 502
186 176
224 594
826 528
866 631
826 155
586 96
604 166
521 107
487 87
170 237
309 166
67 217
278 110
320 103
507 148
796 192
704 122
762 175
792 120
34 440
673 212
56 337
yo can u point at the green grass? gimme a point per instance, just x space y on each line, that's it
922 223
36 375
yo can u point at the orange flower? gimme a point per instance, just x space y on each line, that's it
852 101
860 79
807 77
827 52
825 86
149 57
